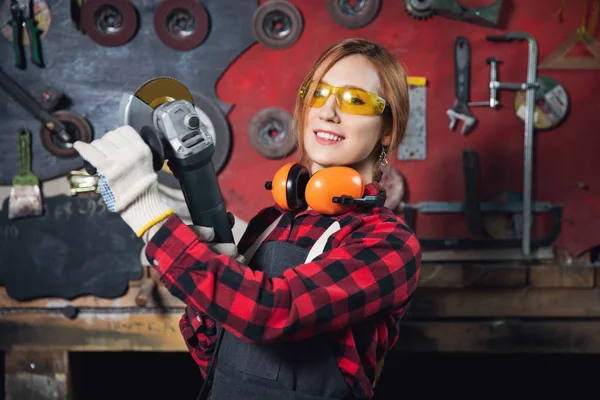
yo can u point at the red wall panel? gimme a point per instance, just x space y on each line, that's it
263 77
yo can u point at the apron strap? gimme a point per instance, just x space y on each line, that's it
252 249
315 251
319 245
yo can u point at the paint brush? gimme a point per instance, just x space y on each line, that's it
25 196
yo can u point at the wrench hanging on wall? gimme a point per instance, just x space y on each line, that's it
485 16
462 75
59 129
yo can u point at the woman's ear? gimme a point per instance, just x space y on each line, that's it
386 140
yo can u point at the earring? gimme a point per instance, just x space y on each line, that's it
383 156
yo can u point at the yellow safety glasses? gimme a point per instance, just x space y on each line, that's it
350 100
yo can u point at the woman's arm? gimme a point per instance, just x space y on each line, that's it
374 269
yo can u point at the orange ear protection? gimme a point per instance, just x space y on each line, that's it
329 191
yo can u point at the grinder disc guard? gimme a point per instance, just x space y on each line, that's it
137 110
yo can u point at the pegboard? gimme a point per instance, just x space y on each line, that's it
95 77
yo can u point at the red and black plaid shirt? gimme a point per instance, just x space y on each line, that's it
357 290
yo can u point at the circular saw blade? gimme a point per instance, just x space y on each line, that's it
157 91
419 9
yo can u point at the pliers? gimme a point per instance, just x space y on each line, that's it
22 15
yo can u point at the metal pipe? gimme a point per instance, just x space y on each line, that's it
529 120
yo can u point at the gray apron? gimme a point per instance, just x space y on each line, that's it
303 370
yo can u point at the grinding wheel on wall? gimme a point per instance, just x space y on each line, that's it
419 9
353 14
181 24
270 133
277 24
109 22
552 104
75 125
218 127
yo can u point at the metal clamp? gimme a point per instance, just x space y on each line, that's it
529 86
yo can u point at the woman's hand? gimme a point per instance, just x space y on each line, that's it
207 234
128 182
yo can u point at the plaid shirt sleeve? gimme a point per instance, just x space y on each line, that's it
373 269
200 334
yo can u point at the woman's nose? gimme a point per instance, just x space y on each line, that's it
329 111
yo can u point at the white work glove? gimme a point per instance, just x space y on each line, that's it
207 235
128 182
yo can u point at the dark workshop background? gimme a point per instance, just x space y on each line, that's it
253 77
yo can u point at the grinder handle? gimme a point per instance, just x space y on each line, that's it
203 196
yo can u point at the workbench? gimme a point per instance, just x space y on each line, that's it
458 307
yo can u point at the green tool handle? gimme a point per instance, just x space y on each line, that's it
24 148
25 175
17 41
34 41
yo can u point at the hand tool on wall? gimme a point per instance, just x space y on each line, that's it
81 182
475 211
162 111
22 16
55 134
560 59
424 9
414 143
277 24
25 196
516 207
462 75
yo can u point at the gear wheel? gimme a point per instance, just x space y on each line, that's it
419 9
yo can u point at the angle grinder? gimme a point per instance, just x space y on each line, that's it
162 111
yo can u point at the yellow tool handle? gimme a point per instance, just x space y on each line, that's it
416 80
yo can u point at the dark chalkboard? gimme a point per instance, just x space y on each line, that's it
94 77
76 248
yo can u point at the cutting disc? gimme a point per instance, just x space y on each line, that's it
159 90
155 92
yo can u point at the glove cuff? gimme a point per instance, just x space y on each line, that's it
146 211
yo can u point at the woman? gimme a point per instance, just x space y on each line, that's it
296 324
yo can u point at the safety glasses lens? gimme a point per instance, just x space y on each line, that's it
350 101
